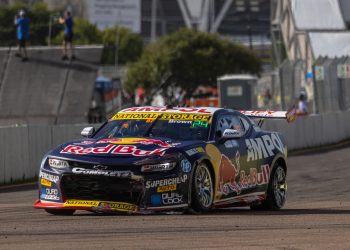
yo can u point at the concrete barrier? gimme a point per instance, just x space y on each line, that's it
45 89
313 130
22 148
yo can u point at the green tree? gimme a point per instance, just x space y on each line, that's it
39 23
150 69
130 45
7 27
84 33
189 58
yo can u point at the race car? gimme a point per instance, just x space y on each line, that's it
149 159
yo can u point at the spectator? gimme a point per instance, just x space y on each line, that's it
302 107
22 25
267 98
67 20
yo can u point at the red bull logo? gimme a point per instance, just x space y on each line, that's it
135 141
112 149
155 142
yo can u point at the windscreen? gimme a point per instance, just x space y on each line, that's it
173 126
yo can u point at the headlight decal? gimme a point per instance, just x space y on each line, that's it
57 163
158 167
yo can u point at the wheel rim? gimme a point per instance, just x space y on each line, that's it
280 186
204 186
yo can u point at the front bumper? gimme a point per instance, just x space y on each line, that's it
99 193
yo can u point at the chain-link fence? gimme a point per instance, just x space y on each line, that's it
327 88
332 84
291 82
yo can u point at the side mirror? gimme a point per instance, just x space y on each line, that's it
88 131
230 134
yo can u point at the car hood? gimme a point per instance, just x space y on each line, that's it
128 150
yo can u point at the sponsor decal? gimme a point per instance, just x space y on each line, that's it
258 112
186 166
155 142
118 206
231 144
253 178
56 163
112 149
199 118
83 151
45 182
135 141
164 109
180 122
135 116
115 141
259 148
81 203
190 117
156 200
227 175
196 124
166 182
231 132
49 177
194 151
171 187
84 143
98 171
172 198
100 167
49 194
229 172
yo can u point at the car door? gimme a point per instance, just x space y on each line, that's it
233 171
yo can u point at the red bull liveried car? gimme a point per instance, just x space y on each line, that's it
148 159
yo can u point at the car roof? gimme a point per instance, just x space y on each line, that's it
167 109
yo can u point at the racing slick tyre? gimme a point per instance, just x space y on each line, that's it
60 211
202 188
276 191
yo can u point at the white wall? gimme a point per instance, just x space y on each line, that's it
313 130
22 148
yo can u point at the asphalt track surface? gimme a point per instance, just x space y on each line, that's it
317 216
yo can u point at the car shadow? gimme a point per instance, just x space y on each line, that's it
19 187
233 212
285 211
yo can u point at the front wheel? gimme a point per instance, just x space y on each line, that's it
276 192
60 211
202 188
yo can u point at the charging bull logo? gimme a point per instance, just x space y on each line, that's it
227 175
143 141
155 142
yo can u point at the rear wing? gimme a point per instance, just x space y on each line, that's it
289 115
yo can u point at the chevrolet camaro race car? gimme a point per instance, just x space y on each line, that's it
148 159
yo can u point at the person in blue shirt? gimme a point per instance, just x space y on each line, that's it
22 26
67 20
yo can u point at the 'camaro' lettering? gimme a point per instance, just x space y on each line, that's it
120 174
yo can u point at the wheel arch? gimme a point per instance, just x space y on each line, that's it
211 168
207 161
282 162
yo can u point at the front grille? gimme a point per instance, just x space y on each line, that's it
101 188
